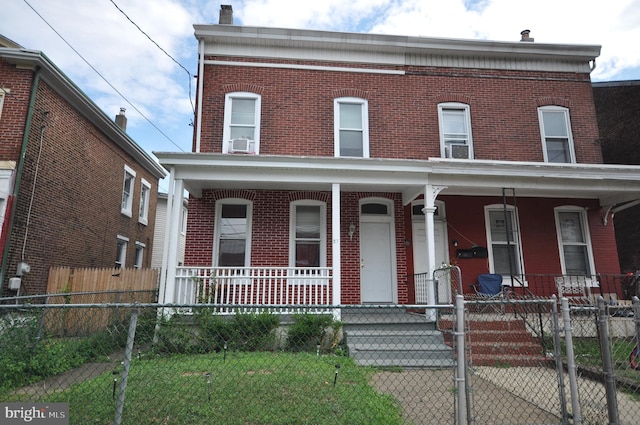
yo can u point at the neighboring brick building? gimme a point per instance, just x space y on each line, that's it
618 110
71 180
394 155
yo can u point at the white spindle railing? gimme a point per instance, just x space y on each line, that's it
253 286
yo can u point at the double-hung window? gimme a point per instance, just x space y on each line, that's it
3 92
455 131
503 236
351 127
121 251
143 211
557 140
241 132
574 242
308 234
233 230
139 258
127 191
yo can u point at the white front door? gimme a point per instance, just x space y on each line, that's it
377 253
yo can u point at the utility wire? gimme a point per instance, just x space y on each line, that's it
103 78
163 51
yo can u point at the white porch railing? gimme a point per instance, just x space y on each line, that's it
253 286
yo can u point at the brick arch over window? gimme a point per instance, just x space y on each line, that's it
314 196
350 92
551 100
458 98
249 195
243 87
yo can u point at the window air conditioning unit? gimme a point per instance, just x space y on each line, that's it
457 151
242 146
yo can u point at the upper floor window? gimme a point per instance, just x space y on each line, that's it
555 128
241 132
3 92
351 127
233 233
455 131
574 242
121 251
127 191
503 237
308 234
143 211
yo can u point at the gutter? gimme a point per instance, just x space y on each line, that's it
19 170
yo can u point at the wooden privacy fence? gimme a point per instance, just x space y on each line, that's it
95 286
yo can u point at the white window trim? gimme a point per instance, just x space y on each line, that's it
139 260
506 280
226 133
467 116
365 123
183 221
587 237
3 92
553 108
292 230
123 255
143 211
128 208
216 233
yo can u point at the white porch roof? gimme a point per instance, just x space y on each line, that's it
610 184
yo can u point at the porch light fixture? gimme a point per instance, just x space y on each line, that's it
352 230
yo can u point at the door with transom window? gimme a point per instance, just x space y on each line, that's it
377 252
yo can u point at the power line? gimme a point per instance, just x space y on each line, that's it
103 78
163 51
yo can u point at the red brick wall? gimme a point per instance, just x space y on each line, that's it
75 214
465 216
270 232
297 109
14 110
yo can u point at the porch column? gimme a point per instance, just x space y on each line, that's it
430 194
335 241
171 240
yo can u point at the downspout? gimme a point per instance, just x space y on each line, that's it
200 89
19 170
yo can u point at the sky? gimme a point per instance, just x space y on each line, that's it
141 54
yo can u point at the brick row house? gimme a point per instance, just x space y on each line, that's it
75 189
343 168
617 107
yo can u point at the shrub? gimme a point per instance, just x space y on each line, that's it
308 331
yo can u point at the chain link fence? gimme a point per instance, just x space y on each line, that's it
515 361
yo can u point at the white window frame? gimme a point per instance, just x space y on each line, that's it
127 197
292 230
145 195
586 234
364 109
567 120
218 218
3 92
121 254
506 279
466 139
139 257
183 221
226 133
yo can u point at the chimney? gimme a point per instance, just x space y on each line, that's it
226 14
525 36
121 120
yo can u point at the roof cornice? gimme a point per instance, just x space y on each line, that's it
32 59
343 41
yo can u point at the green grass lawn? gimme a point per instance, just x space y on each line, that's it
245 388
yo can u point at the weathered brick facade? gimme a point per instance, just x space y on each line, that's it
619 123
68 207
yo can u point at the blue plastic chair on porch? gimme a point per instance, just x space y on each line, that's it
490 288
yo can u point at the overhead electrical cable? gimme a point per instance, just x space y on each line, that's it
103 78
163 51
